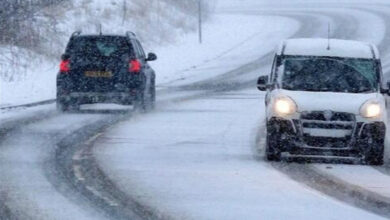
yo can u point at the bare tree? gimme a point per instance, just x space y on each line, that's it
17 19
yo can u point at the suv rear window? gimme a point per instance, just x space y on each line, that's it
99 46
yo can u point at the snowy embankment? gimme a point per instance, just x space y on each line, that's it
230 40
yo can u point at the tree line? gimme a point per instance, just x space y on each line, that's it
17 18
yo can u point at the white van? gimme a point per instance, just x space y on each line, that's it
325 98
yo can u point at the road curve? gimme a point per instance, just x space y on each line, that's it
348 28
71 160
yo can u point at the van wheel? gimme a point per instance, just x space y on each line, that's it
272 151
375 156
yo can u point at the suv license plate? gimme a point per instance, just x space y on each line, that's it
106 74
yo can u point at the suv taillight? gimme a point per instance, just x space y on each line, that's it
134 66
65 66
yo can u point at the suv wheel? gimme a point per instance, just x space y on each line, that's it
152 99
66 106
145 102
140 103
62 106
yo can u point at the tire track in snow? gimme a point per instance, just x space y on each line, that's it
78 167
74 169
7 127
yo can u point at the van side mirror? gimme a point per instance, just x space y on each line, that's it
151 57
262 83
65 57
387 90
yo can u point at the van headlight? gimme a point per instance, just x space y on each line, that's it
284 106
371 109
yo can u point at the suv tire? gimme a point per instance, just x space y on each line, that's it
62 107
140 103
145 101
152 97
66 106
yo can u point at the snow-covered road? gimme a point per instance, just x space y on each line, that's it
197 160
199 154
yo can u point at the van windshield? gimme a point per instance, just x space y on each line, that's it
348 75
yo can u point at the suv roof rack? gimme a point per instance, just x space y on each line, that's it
130 34
372 51
76 33
284 47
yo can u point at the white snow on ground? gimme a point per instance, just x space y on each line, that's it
377 24
362 176
194 160
7 116
34 80
229 41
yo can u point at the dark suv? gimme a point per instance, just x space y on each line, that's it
105 69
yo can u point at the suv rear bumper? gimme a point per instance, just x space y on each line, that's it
121 83
96 97
295 142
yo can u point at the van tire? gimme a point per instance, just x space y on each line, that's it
375 156
272 151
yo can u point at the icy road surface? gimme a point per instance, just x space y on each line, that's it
199 155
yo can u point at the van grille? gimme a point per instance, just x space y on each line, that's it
324 116
327 129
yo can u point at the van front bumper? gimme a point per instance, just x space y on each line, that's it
331 139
